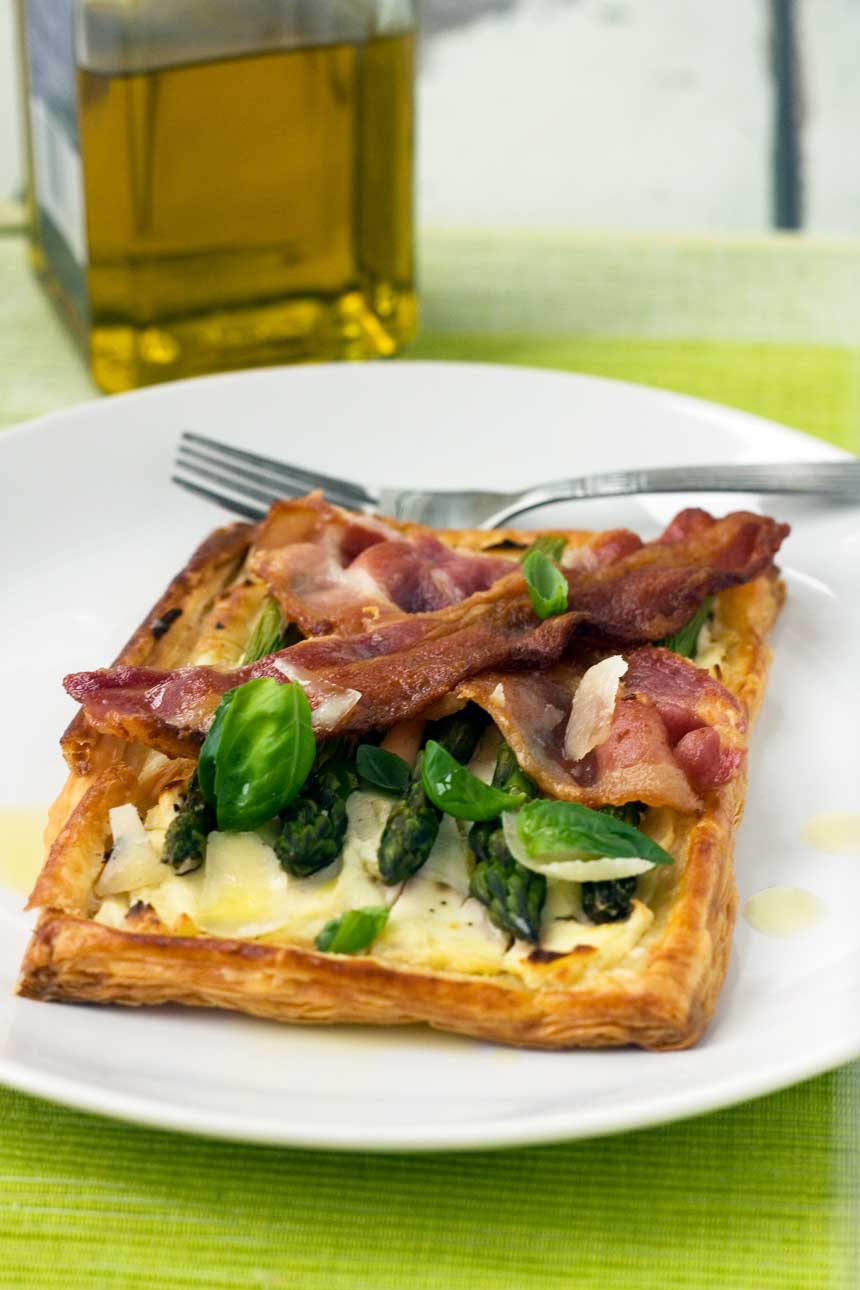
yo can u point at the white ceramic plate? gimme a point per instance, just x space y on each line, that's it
91 530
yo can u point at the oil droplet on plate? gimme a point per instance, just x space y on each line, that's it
835 831
21 846
784 911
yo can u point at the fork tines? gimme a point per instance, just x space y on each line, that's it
251 481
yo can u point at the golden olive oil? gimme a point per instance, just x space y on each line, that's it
22 847
244 210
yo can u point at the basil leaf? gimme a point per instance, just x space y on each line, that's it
571 831
548 590
206 769
263 752
686 640
549 545
458 792
353 931
266 636
382 769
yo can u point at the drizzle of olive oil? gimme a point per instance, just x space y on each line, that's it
837 832
21 846
783 911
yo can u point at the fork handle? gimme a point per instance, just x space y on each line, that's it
834 478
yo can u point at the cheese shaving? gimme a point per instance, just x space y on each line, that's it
331 703
133 862
592 708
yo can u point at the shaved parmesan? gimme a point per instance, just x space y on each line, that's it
244 890
607 867
571 869
593 706
133 862
446 863
483 763
330 703
112 911
334 704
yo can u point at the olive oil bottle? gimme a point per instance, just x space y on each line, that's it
217 194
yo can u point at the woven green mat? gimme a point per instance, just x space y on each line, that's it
763 1195
815 388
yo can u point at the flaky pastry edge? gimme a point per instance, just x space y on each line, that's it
661 996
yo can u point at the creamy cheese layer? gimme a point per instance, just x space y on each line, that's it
434 924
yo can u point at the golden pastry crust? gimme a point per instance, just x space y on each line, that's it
660 995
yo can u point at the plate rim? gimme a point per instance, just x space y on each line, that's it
499 1133
485 1135
705 408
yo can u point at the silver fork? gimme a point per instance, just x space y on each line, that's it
248 483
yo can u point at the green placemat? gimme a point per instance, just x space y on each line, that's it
763 1195
813 387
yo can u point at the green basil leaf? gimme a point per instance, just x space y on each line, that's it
263 754
266 636
686 640
549 545
571 831
548 590
458 792
382 769
353 931
206 769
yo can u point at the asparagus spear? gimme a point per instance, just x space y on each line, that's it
610 901
513 895
507 776
185 841
413 825
686 641
270 633
313 827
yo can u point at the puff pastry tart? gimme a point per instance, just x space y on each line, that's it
354 770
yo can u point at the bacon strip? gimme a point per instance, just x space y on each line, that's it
675 732
333 571
411 661
396 671
664 582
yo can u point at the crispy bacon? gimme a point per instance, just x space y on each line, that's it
694 707
332 571
412 660
423 574
637 596
396 671
335 572
675 731
602 550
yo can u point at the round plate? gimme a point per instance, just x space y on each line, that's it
92 530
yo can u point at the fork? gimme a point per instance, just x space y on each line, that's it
248 483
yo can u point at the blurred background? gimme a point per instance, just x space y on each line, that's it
678 115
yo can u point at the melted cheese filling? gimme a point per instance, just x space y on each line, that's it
433 924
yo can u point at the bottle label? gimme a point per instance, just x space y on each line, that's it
58 173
